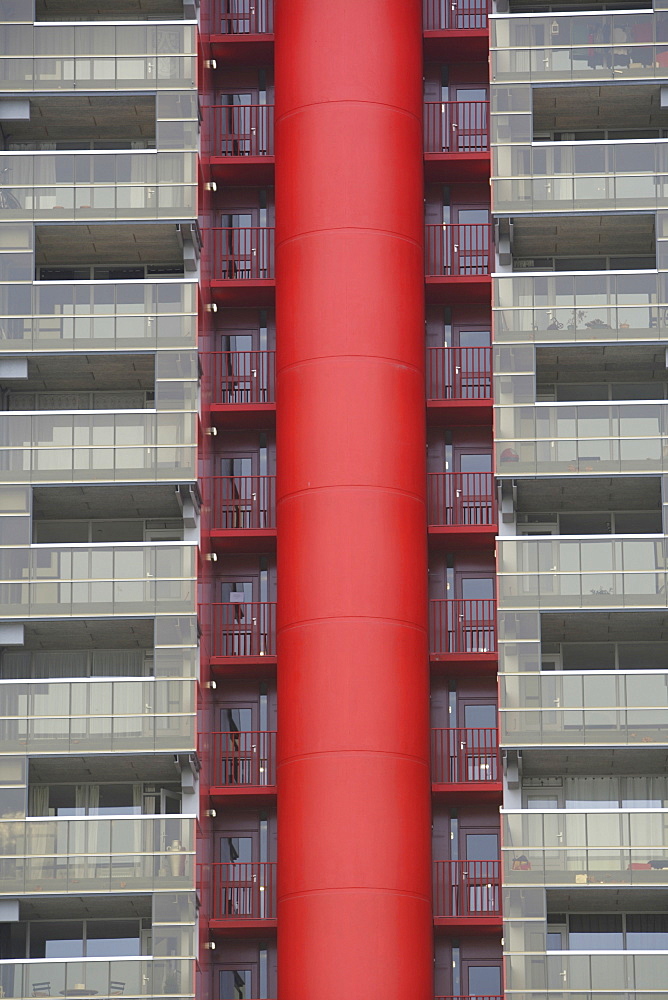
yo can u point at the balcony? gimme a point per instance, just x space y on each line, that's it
464 501
467 763
243 264
243 761
456 140
461 373
244 17
594 708
241 387
468 889
243 893
128 977
455 15
578 847
241 142
66 716
97 855
242 511
243 630
463 630
462 252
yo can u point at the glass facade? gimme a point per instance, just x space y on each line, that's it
98 640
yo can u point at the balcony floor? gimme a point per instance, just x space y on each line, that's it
243 291
460 412
462 536
243 539
245 170
241 49
446 167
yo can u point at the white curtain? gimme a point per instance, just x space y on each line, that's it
39 800
598 792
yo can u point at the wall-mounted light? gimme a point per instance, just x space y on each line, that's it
211 685
212 431
210 186
211 557
211 64
211 813
210 945
212 307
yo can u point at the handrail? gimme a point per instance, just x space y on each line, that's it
243 758
240 376
454 248
462 626
242 129
243 253
467 888
462 755
243 890
241 502
461 498
243 629
459 373
257 18
444 15
456 126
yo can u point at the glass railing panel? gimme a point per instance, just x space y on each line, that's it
581 438
74 447
130 977
129 579
587 709
572 308
614 571
83 186
587 46
93 716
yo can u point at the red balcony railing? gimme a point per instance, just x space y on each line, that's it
458 249
245 17
243 254
467 889
241 376
243 759
459 373
244 890
441 15
468 996
464 755
462 626
461 498
244 629
242 502
456 127
242 129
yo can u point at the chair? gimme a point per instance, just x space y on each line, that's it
116 989
41 989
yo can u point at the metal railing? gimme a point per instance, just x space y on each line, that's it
243 253
243 890
464 755
244 17
458 249
461 498
243 758
241 376
242 129
468 996
441 15
245 629
459 373
467 888
241 502
456 127
462 626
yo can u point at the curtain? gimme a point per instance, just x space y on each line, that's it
39 800
118 663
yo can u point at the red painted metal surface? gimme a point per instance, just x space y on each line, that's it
244 253
243 758
353 734
467 996
243 17
242 129
459 755
241 502
456 127
243 890
462 626
445 15
454 249
467 888
459 373
243 629
461 498
241 376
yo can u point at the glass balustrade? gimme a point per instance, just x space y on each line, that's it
130 977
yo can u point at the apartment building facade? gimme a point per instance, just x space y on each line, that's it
317 462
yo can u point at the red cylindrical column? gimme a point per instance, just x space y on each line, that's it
354 822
